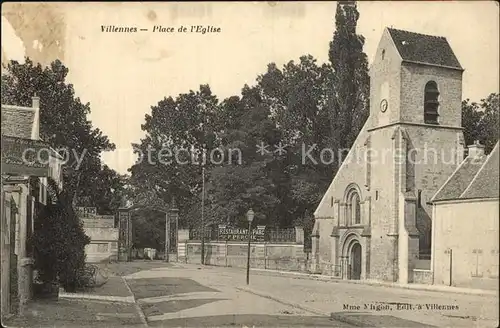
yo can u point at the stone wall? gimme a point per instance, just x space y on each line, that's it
103 245
284 256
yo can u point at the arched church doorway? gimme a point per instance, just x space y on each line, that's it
355 256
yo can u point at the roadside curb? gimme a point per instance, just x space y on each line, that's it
333 316
144 320
279 300
431 288
343 317
81 296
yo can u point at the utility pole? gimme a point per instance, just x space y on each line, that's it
203 191
203 215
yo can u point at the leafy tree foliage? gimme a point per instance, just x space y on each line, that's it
64 125
312 108
351 83
178 132
302 106
481 122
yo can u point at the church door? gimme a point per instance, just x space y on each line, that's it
356 262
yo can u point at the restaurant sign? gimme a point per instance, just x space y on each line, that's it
25 157
236 234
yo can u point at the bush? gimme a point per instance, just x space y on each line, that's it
59 242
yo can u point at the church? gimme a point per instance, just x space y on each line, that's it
375 219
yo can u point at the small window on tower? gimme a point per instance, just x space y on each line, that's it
383 54
431 103
419 199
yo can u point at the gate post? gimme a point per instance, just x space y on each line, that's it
173 236
124 235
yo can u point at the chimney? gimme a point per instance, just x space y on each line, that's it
476 150
35 100
35 131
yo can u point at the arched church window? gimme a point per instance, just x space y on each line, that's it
356 208
353 208
431 103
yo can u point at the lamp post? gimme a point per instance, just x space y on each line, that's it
250 215
167 237
203 215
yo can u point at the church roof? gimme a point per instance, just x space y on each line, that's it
17 121
427 49
474 178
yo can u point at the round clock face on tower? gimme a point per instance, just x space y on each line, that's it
383 105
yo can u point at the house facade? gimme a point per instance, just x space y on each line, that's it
465 244
375 220
20 136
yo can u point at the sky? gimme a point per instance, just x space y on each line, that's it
122 75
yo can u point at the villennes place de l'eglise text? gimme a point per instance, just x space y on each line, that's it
202 29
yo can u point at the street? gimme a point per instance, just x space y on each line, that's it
156 294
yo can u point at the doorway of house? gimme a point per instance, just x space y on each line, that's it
356 261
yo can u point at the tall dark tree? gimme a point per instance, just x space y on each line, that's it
243 181
297 98
350 87
177 132
63 125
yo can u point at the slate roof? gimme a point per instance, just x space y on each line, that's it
474 178
428 49
460 179
485 183
17 122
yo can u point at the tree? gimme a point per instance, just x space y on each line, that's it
297 96
177 132
235 186
350 88
471 117
59 241
300 106
63 125
489 125
481 121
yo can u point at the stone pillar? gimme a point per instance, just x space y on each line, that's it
173 216
402 246
342 214
299 235
366 235
336 212
315 247
344 264
366 218
124 235
407 239
335 244
182 246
